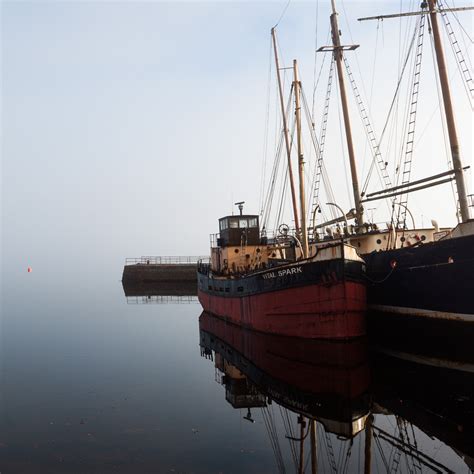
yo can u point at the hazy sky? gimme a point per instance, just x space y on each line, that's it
128 128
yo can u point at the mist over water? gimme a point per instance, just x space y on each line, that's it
93 383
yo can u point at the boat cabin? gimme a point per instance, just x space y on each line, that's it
239 231
239 246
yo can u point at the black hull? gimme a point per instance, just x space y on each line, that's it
434 280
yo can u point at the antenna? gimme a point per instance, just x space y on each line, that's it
240 205
248 416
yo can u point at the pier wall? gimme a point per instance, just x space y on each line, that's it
184 272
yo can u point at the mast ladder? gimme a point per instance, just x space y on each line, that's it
461 61
395 462
406 170
416 461
322 141
331 458
368 127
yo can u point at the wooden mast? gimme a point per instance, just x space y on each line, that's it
286 133
368 444
446 92
448 110
301 463
304 229
345 110
314 459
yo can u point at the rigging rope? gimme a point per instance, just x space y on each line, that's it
459 23
315 86
315 57
282 14
463 68
273 435
322 140
391 109
415 88
266 132
284 186
377 155
445 131
382 453
274 175
345 161
289 430
315 143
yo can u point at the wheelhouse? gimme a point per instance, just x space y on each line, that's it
239 230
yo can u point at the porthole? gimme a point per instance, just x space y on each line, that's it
423 237
236 250
379 241
402 239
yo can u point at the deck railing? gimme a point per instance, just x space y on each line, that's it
163 299
166 260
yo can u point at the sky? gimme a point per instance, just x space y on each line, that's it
129 128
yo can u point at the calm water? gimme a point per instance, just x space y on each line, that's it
94 382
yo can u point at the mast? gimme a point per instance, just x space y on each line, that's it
301 463
368 444
446 92
448 110
304 229
286 133
314 459
345 110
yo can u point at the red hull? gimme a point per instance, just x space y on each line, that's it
318 311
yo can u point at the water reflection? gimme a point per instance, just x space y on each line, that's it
441 342
92 384
145 292
340 410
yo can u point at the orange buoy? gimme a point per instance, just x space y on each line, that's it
29 269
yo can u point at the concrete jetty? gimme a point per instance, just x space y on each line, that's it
161 269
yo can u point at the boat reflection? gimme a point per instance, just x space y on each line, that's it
152 292
343 408
439 401
439 342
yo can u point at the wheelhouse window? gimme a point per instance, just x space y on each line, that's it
234 223
224 224
253 222
243 223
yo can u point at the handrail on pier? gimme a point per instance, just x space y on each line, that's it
166 260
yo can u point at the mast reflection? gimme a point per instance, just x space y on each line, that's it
343 408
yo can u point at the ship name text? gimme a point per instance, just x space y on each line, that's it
280 273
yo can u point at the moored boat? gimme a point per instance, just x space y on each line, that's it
414 275
262 284
287 284
420 275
